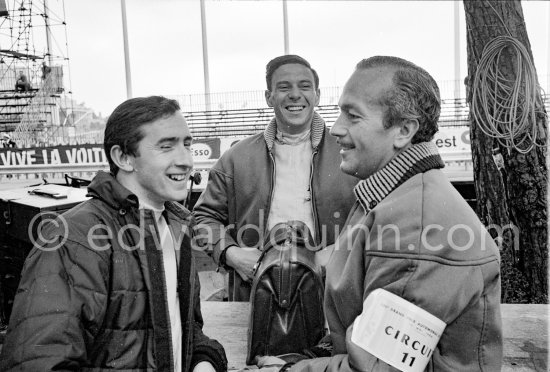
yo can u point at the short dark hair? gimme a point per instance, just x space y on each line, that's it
287 59
123 126
414 95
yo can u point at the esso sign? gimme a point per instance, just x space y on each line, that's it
201 151
465 137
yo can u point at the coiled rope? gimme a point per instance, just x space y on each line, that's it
507 109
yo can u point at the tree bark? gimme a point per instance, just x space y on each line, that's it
514 198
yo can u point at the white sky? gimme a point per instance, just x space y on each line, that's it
166 49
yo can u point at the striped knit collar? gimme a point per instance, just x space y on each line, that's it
317 130
419 158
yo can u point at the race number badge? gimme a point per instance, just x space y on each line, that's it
397 331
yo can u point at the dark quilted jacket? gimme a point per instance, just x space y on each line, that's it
100 304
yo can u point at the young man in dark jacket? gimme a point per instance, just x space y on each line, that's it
111 284
288 172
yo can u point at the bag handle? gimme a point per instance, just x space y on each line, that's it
287 232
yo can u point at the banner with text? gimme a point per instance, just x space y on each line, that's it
86 154
453 140
449 141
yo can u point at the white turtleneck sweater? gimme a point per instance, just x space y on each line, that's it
291 193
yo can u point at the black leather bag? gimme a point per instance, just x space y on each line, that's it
287 295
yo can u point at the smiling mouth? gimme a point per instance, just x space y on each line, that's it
346 146
295 108
177 177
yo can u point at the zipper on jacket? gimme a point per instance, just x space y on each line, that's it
189 320
273 172
312 196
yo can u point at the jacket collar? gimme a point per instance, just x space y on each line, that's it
419 158
105 187
317 131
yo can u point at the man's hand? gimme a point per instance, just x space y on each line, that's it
323 256
265 363
242 260
269 361
204 367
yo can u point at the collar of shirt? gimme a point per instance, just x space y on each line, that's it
317 131
156 211
291 139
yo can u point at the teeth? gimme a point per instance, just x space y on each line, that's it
177 177
295 108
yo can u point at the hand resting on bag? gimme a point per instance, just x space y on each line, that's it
243 261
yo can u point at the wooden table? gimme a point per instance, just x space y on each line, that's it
525 329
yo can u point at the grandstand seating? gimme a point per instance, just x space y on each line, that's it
33 109
244 122
12 106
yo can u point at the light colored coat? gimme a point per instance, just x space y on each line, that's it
426 245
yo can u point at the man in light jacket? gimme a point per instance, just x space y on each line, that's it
413 263
288 172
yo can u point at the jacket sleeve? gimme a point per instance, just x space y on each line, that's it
445 291
205 348
355 360
58 309
212 215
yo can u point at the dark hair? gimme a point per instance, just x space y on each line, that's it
414 95
123 126
287 59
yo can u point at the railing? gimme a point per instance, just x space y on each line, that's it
242 100
238 100
248 121
244 122
9 75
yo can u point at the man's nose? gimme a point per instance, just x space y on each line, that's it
338 129
184 157
294 93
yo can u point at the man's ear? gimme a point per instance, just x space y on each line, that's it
318 92
268 98
123 161
407 130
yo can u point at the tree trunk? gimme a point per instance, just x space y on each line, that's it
512 200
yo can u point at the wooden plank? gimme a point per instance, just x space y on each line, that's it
227 322
525 331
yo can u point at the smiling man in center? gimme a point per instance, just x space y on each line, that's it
288 172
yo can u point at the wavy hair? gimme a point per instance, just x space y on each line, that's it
414 96
123 126
277 62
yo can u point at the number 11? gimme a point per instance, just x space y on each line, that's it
404 360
